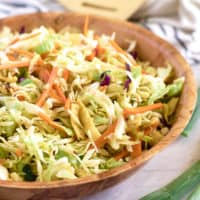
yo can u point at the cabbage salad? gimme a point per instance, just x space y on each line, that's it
73 104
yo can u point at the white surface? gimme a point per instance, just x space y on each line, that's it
157 172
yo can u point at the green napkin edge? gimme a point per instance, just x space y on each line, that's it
194 118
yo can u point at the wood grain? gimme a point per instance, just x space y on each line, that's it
111 8
150 48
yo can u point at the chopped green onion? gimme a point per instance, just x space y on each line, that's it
46 46
195 117
195 195
26 82
179 187
29 175
136 72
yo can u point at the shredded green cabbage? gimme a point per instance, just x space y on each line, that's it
69 134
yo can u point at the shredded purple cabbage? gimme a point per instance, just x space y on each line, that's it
21 79
22 30
134 54
105 79
128 67
127 82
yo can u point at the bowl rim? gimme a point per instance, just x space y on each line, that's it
174 132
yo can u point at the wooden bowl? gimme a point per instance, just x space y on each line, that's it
150 48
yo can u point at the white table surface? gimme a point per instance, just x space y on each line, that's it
160 170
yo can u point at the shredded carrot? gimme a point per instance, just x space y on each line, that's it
103 138
30 36
20 98
121 154
85 27
44 75
2 161
117 47
148 130
96 37
24 38
44 55
100 50
14 41
50 84
143 72
11 56
54 95
59 92
133 111
66 74
120 50
103 88
91 56
57 45
137 150
23 52
16 64
40 66
40 62
18 152
49 121
67 104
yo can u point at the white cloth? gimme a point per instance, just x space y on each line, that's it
183 14
177 21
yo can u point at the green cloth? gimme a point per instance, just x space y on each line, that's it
195 116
